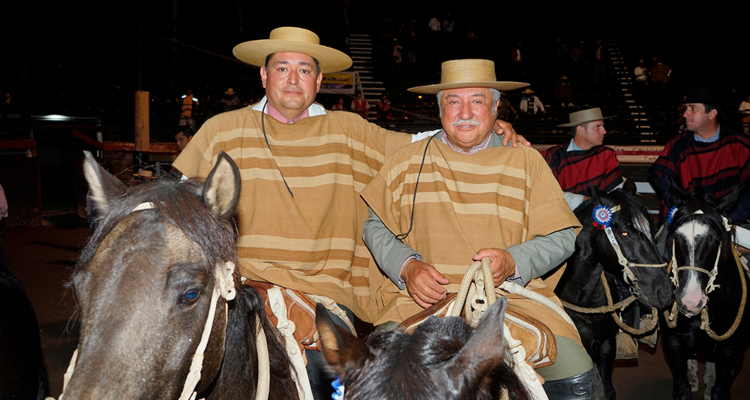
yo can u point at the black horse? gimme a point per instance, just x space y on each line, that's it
442 359
710 281
581 283
22 371
157 267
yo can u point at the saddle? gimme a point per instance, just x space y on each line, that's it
300 312
536 338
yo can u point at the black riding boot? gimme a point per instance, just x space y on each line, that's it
587 385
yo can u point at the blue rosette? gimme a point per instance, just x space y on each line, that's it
602 217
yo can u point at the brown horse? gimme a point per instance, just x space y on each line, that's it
157 267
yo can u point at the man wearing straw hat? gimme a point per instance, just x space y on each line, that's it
462 196
300 215
584 159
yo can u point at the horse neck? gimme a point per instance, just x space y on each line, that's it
581 279
239 372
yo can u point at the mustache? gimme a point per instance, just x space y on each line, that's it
471 121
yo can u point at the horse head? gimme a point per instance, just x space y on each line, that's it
442 359
617 235
156 274
699 238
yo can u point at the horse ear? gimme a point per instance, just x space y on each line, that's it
340 347
630 186
594 191
675 196
728 201
104 186
221 192
485 349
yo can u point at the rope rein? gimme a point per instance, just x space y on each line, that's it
627 275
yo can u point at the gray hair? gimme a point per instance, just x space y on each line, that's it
495 98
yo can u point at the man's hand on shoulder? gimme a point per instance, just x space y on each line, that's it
503 265
423 282
509 134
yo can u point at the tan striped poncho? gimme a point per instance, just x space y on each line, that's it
495 198
312 242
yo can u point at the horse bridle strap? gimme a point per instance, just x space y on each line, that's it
671 316
627 273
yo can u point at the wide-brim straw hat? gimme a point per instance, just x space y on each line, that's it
584 116
295 40
467 74
229 91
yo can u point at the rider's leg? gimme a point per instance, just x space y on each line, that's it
318 372
573 375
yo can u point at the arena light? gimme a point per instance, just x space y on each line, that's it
55 117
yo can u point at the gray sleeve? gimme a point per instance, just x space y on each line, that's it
543 253
389 253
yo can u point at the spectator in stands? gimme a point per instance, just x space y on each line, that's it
641 73
361 106
4 104
230 100
517 59
585 158
3 224
660 72
384 108
709 157
188 107
563 93
183 137
505 110
530 104
599 63
745 111
339 106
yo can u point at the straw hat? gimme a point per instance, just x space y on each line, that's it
296 40
229 91
584 116
528 91
465 74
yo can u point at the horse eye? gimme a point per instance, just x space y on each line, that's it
191 296
624 234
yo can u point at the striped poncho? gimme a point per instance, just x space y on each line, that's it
495 198
310 242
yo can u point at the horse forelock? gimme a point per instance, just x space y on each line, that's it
699 212
179 204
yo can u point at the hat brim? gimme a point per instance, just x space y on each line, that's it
434 89
255 52
572 124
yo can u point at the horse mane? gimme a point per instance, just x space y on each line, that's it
180 203
631 211
242 361
406 359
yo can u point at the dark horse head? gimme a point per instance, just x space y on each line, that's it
145 285
631 230
442 359
699 239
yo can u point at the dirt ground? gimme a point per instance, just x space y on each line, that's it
43 259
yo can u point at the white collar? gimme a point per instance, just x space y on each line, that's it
314 110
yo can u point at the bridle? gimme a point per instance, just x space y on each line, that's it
670 316
223 287
710 286
602 220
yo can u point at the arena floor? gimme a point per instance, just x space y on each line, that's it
43 259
